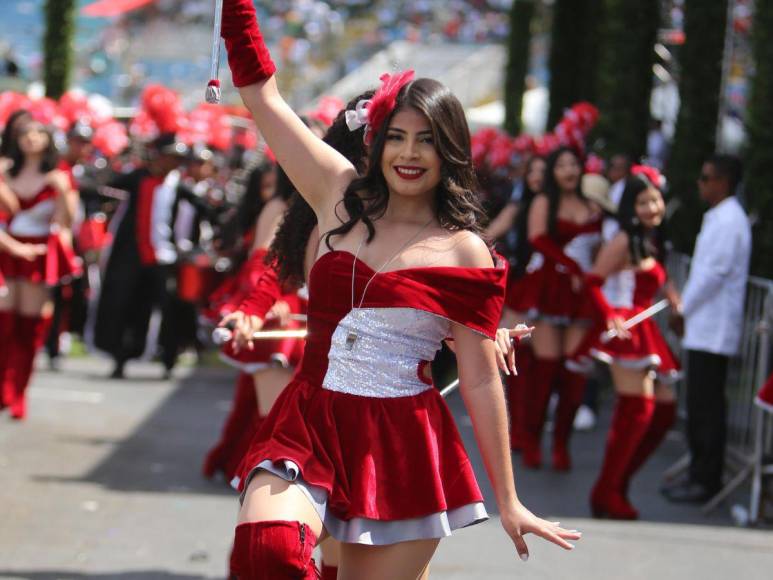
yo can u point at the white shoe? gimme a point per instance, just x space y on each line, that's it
585 419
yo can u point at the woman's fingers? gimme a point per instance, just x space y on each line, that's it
511 360
501 362
520 546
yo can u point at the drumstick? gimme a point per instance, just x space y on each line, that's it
634 320
221 335
212 94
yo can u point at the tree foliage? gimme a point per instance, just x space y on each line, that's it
759 126
519 41
699 91
629 33
574 50
57 46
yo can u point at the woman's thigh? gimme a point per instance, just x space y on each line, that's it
664 392
269 384
34 299
402 561
632 382
269 497
9 300
546 340
573 336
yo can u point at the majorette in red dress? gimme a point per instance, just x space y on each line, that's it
254 291
32 225
629 292
359 428
546 292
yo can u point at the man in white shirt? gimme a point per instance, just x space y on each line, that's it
712 310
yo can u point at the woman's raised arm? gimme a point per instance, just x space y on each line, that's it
317 170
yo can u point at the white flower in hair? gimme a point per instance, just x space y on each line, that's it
359 116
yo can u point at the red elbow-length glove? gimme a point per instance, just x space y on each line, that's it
593 284
263 296
248 55
551 250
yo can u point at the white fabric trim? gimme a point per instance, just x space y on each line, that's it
369 531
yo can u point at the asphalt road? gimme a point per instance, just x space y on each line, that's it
102 481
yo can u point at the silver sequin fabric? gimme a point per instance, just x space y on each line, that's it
34 221
383 361
619 288
582 248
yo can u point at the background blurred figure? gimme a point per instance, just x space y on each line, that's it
712 312
135 277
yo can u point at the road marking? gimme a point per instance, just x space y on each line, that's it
68 396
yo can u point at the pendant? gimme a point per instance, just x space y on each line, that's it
351 338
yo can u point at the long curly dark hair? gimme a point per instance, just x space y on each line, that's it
48 160
523 249
10 130
553 191
288 249
457 204
643 243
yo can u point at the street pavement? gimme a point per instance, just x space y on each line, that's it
103 482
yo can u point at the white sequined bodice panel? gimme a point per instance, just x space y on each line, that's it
618 289
376 352
582 248
34 221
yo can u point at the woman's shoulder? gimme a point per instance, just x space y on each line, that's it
57 179
466 249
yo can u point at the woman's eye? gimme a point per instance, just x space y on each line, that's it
393 137
427 140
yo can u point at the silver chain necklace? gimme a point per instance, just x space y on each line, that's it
351 337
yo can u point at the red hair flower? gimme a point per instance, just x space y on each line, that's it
383 102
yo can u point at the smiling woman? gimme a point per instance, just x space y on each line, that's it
401 266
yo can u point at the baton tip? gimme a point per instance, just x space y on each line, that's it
212 94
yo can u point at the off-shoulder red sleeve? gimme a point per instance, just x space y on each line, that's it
472 297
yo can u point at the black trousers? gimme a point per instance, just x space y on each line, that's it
706 416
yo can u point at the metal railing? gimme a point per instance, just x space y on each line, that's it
746 374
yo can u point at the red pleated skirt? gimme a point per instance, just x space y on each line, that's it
378 458
645 349
58 265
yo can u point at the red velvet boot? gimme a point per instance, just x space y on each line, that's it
273 550
541 377
329 572
7 331
630 421
663 419
571 390
31 332
240 421
516 390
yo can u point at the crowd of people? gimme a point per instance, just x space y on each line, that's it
337 264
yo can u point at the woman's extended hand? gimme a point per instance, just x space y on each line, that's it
519 521
28 251
505 343
616 324
243 328
280 312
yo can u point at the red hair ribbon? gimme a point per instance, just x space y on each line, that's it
651 174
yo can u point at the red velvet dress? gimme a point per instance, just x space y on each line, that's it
359 428
629 292
32 225
545 291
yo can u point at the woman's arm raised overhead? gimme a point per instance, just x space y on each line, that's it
318 171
